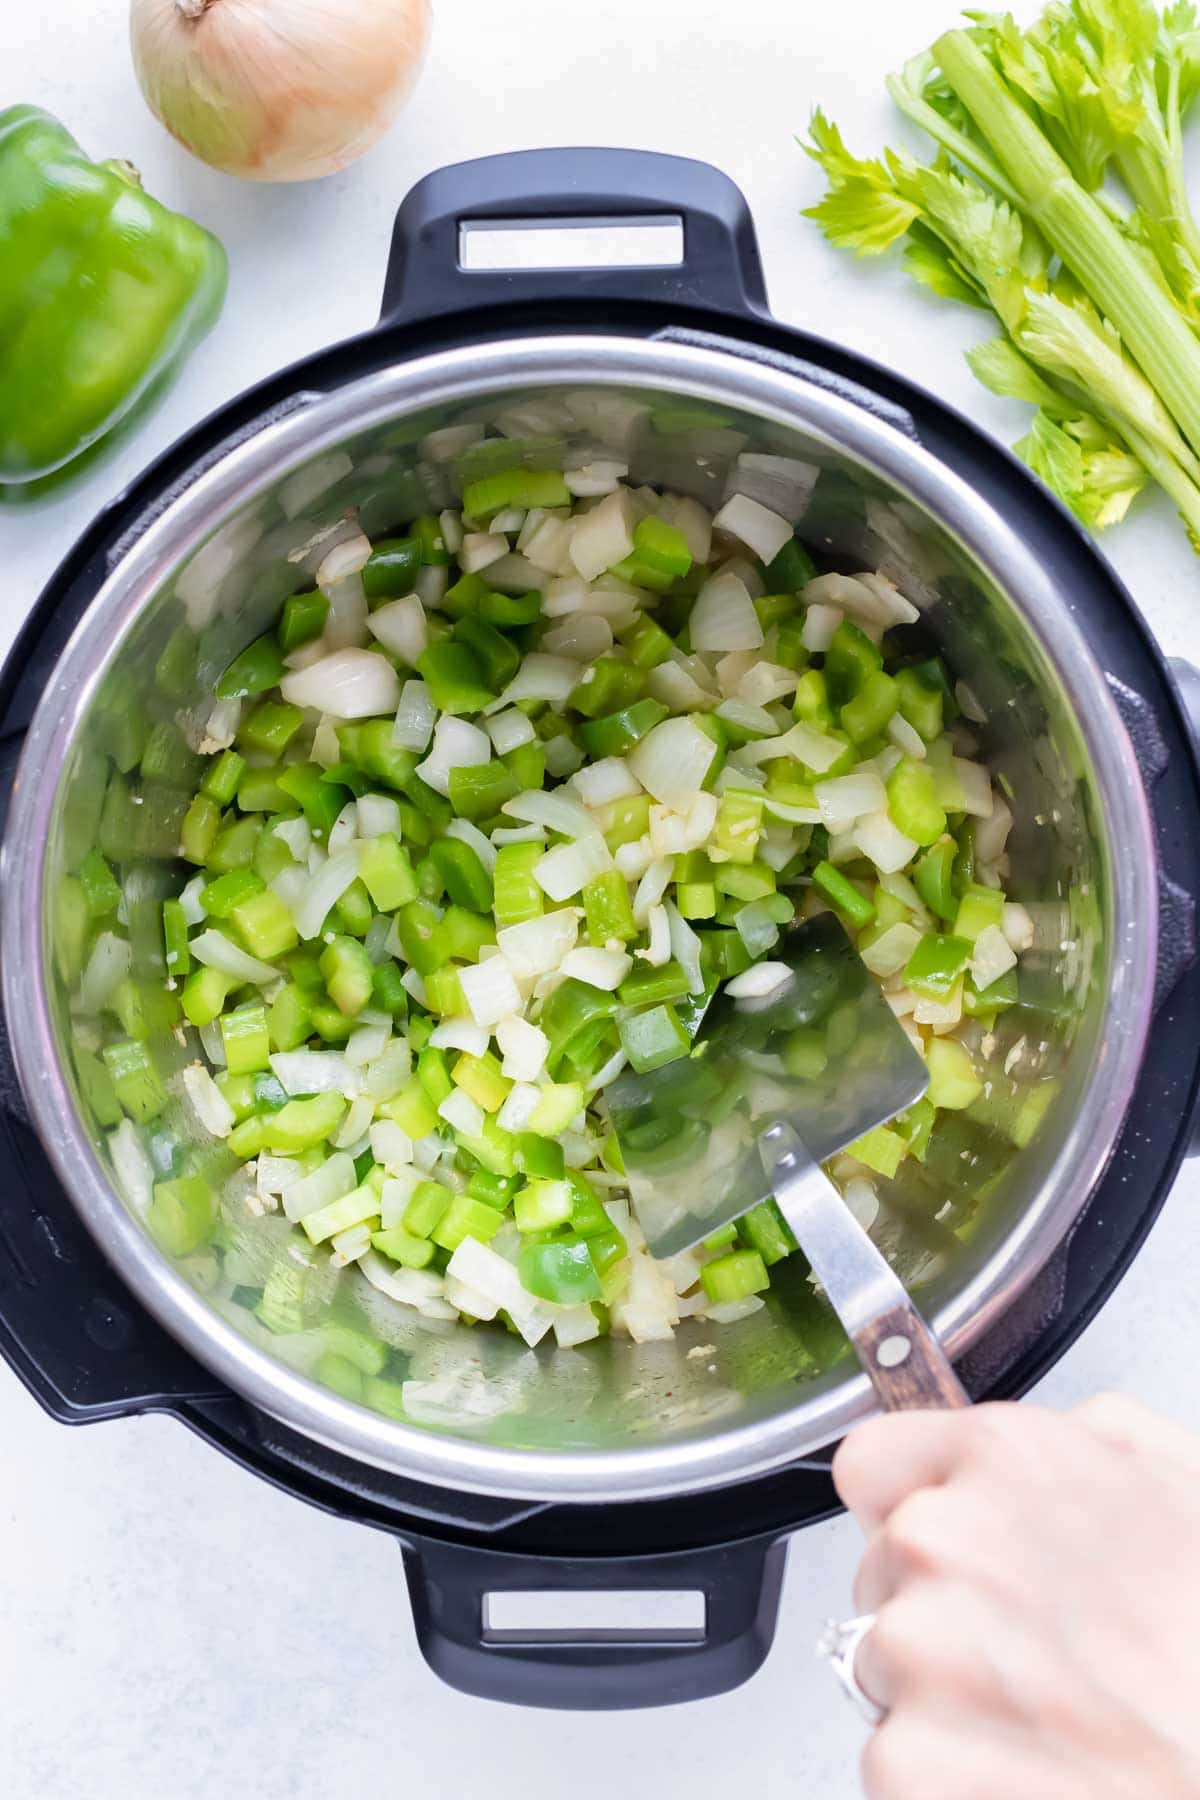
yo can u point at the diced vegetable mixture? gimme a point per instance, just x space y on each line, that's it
489 815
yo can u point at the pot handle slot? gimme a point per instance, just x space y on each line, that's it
546 225
594 1634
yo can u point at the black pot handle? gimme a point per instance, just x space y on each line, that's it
1186 677
718 264
582 1668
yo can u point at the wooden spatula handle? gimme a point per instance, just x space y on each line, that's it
906 1364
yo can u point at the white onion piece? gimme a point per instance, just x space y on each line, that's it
344 829
820 624
891 950
538 945
755 719
323 890
566 597
678 689
520 1104
523 1049
470 834
685 948
695 522
658 943
600 968
906 737
992 957
344 560
216 951
509 730
756 982
365 1044
862 1201
401 627
604 536
388 1073
416 716
760 529
131 1167
489 990
556 811
457 744
847 798
991 834
801 742
449 442
651 888
107 967
595 478
765 682
635 859
672 760
723 617
883 843
563 871
515 574
540 677
212 1109
390 1145
221 726
462 1113
452 530
1017 926
599 783
313 1072
479 549
582 636
547 545
976 785
349 684
325 747
562 757
333 1179
190 901
403 1177
378 816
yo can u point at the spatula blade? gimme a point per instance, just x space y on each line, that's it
822 1051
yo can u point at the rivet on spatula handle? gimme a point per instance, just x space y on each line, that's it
906 1364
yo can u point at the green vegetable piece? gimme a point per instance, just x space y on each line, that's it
270 727
135 1080
562 1272
558 1104
403 1247
353 913
543 1205
259 667
219 897
236 847
920 701
498 658
953 1082
464 933
936 964
979 908
811 704
867 714
176 954
646 986
480 1077
422 943
932 879
222 776
617 732
302 619
264 925
645 642
608 909
391 569
540 1157
661 547
734 1277
198 834
319 799
479 790
354 1208
527 764
465 1218
427 1206
517 896
880 1149
849 660
739 824
104 294
607 686
289 1018
653 1037
912 802
385 870
259 791
348 975
99 886
516 487
181 1214
842 895
509 610
455 678
204 994
765 1229
790 569
301 1124
245 1038
696 899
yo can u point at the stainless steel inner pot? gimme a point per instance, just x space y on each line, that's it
615 1420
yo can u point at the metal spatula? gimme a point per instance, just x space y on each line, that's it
776 1084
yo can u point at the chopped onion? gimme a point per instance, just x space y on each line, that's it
470 834
976 784
448 443
346 558
333 1179
538 945
323 890
415 717
479 549
212 1109
676 687
410 1287
520 1104
658 945
556 811
695 522
365 1044
401 627
189 899
378 815
820 623
730 1312
221 726
760 529
723 617
812 748
756 927
388 1073
651 888
344 829
862 1201
765 682
600 968
668 832
970 706
216 951
523 1049
457 744
515 574
575 1325
755 983
290 884
313 1072
430 584
325 747
883 843
635 859
509 730
349 1246
132 1169
992 957
490 991
562 757
551 678
701 818
744 717
563 871
349 684
567 597
891 950
672 760
462 1113
548 544
596 477
685 948
991 834
583 637
604 536
599 783
846 798
107 967
403 1178
906 737
452 530
212 1043
781 482
902 889
1017 926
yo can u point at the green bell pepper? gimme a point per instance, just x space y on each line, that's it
103 292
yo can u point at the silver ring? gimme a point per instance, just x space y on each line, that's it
838 1644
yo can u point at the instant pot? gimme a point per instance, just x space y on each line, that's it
677 1467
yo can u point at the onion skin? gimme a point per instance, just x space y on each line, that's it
278 90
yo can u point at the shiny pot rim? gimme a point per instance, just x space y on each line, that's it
317 423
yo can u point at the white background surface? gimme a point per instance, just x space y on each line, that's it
170 1628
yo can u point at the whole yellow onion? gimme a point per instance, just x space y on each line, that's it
278 90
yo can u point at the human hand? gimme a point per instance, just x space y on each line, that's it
1036 1580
